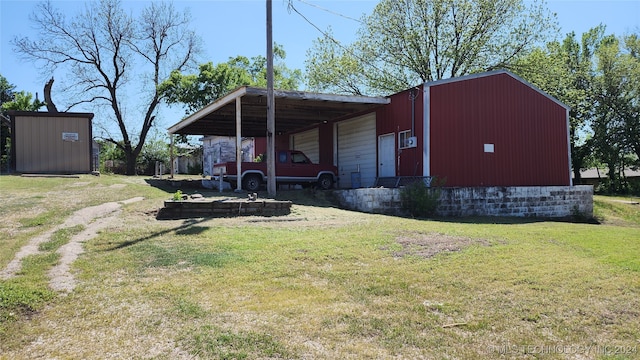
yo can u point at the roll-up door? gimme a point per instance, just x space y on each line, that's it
307 142
356 151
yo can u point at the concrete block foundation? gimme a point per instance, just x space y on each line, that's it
520 201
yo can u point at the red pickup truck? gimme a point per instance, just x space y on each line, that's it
292 167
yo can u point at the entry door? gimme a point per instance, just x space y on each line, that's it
387 155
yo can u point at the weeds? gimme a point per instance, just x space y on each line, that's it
213 342
419 199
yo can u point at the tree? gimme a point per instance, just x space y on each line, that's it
6 90
6 95
23 101
335 68
565 70
599 79
405 42
616 123
213 81
100 46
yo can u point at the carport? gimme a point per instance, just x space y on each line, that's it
243 112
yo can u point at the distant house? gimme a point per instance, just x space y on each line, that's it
595 176
189 160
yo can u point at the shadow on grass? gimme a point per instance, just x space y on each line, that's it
186 228
512 220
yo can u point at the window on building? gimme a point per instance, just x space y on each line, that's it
403 139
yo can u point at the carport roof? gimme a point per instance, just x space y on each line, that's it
294 110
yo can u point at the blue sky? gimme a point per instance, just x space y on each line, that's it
231 28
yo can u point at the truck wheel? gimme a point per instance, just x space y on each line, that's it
251 182
325 182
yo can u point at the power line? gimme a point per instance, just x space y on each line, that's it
330 11
291 7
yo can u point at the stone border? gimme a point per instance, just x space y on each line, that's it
227 207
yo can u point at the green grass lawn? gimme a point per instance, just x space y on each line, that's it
320 283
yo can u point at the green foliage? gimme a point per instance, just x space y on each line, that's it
6 90
420 200
112 154
156 148
213 81
19 299
17 295
598 77
23 101
177 196
335 68
195 169
406 42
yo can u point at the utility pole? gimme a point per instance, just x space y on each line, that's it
271 113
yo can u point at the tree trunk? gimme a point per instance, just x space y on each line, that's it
130 157
131 164
51 107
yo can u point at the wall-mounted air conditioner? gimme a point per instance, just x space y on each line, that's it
410 142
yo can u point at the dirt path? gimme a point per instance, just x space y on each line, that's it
94 219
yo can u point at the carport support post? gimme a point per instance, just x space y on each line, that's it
239 143
171 156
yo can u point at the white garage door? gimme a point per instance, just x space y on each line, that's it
355 151
307 142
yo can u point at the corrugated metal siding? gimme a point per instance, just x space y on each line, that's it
40 148
529 133
356 149
396 117
307 142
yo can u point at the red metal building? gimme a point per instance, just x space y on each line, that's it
488 129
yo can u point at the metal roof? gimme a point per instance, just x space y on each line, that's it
294 110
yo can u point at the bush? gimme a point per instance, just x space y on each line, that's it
420 200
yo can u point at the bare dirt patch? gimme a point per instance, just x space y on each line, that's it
432 244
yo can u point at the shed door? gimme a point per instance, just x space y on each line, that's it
356 150
307 142
387 155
